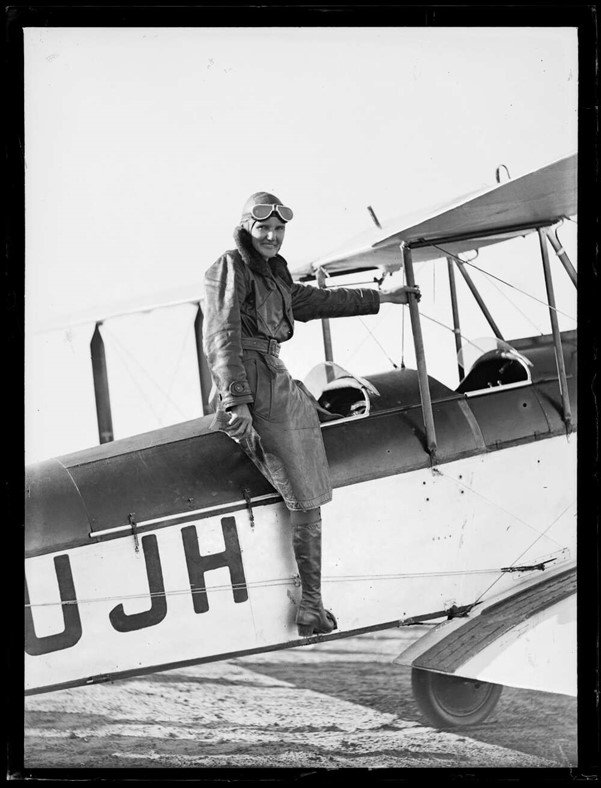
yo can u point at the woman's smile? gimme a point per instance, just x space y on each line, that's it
268 235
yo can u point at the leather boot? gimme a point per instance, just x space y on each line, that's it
312 618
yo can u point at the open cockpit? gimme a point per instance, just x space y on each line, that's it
489 364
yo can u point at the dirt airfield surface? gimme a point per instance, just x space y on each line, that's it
335 705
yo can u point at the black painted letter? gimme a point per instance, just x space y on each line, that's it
199 564
123 622
36 646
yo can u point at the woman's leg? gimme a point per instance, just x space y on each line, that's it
311 618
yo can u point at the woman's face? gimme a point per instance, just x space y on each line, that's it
268 235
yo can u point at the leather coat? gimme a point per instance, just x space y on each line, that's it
248 297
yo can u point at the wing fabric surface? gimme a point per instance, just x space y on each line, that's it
501 213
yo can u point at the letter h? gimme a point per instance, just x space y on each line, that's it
199 564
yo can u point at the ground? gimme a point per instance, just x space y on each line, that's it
336 705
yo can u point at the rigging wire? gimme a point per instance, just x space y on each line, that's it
506 297
378 343
364 340
187 336
500 508
452 330
267 584
508 284
422 314
427 317
530 546
372 335
119 348
147 374
347 578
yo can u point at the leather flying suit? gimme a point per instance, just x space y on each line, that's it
248 297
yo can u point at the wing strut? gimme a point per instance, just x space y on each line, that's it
204 373
561 369
478 297
563 256
422 373
455 308
325 327
101 387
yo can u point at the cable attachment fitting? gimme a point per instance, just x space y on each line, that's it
134 530
458 611
530 567
249 506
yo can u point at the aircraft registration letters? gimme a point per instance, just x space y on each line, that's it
121 621
175 573
220 586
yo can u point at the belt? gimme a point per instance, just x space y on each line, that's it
270 346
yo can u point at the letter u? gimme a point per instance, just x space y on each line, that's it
36 646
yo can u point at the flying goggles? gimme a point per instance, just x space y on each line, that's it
264 210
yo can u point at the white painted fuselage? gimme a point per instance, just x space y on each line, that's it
396 547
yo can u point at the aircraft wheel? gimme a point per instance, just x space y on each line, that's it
453 701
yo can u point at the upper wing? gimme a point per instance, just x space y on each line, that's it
174 296
500 213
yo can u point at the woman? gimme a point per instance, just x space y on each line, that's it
250 308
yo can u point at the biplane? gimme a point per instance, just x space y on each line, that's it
451 506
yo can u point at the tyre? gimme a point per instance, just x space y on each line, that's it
453 701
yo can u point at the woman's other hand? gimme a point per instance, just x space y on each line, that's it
241 421
399 295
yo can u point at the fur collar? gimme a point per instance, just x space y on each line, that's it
250 256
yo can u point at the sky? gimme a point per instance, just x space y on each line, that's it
141 145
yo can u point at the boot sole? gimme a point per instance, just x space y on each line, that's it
306 630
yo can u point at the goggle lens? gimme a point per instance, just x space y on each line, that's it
264 211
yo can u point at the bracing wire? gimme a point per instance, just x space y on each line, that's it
523 314
345 578
427 317
375 339
452 330
530 546
378 343
441 324
508 284
148 376
120 351
187 335
291 581
500 508
539 534
363 341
